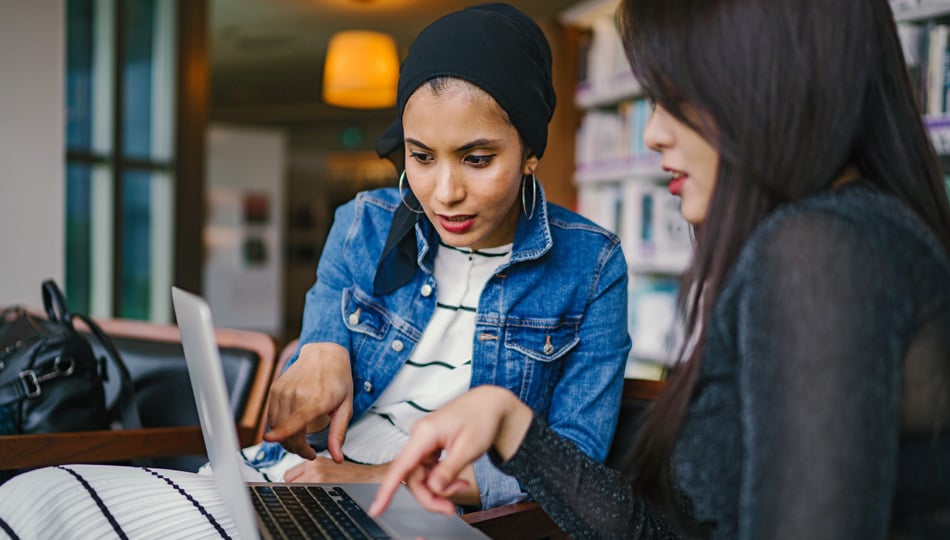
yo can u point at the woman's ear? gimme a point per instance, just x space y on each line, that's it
530 164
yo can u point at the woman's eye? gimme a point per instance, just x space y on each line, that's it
420 157
479 160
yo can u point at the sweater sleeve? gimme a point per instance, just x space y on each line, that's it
585 498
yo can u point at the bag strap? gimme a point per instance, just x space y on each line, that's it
128 410
25 385
55 304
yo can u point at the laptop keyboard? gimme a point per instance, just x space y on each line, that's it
312 512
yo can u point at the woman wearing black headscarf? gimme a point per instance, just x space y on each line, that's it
464 275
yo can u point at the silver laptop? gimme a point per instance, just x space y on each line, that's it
309 510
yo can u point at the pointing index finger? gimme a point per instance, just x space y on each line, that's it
416 451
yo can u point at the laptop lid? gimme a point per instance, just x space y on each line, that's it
211 399
405 518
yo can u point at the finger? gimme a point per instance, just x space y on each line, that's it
297 443
296 422
418 451
384 494
294 473
447 471
339 421
273 408
281 402
455 487
417 482
318 424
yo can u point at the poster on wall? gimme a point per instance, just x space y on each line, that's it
243 271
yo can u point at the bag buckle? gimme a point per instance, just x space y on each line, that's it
31 382
62 367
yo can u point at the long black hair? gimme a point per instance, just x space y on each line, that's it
791 93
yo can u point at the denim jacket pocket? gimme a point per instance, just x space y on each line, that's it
540 341
362 314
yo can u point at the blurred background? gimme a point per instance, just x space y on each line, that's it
206 144
147 143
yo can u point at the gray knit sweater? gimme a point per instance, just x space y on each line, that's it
826 372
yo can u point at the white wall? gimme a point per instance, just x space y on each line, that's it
32 67
242 163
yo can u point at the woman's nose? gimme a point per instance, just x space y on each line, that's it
656 134
449 187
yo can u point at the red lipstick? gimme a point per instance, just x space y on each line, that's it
456 224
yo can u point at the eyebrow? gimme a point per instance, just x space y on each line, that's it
464 148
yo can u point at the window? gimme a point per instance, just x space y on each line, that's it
120 176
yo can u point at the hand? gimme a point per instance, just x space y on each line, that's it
322 469
461 431
315 390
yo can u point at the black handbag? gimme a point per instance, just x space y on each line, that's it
50 379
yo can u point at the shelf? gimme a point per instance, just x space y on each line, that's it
638 368
646 166
909 11
673 263
600 94
938 126
653 360
585 13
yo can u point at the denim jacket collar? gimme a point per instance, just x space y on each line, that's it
532 237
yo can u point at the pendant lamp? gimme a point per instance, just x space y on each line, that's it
361 70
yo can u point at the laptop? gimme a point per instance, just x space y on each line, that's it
260 510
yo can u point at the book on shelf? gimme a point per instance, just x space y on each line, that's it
926 50
919 9
602 204
651 318
601 137
936 89
603 74
653 232
583 55
613 135
605 56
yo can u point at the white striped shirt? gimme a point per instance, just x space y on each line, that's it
440 367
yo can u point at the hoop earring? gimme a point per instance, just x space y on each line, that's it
534 195
403 197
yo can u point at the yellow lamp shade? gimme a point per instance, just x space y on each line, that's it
361 70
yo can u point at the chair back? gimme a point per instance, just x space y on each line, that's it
155 358
638 395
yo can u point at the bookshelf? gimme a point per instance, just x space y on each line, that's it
919 10
621 185
924 28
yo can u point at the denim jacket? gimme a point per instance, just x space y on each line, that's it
551 324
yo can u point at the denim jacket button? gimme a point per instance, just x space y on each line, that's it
426 290
354 318
368 387
548 349
397 345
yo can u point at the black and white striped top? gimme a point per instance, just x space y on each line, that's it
440 367
105 501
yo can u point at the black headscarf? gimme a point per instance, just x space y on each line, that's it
495 47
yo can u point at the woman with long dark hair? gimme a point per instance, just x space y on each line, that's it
813 392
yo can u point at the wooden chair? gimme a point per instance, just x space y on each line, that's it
527 520
170 435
